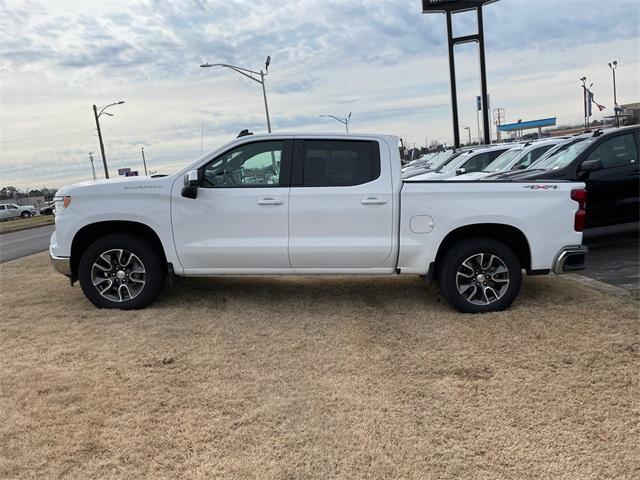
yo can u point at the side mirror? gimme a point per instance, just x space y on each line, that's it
590 166
191 184
192 178
460 171
519 167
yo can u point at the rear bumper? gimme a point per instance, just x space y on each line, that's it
570 259
61 265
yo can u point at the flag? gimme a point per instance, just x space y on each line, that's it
591 100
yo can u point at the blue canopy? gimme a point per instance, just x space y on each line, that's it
512 127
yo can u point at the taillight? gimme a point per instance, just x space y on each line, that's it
579 195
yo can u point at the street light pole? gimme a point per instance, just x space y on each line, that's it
97 115
468 129
250 75
613 65
344 121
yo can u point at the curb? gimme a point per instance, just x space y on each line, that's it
29 227
600 286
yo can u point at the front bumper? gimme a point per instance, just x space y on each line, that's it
570 259
61 265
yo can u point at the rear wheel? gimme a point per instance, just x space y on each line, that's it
121 271
25 214
480 275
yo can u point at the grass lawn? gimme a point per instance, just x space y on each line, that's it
25 223
315 378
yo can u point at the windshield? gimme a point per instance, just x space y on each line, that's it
562 155
435 158
450 164
503 161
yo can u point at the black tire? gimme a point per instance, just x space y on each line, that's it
467 253
150 258
25 214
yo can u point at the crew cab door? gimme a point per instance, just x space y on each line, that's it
340 206
238 222
613 191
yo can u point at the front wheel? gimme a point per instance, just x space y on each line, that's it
121 271
480 275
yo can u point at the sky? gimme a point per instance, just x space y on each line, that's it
382 60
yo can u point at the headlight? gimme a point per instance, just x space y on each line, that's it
60 203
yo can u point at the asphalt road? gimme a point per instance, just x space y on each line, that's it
25 242
614 256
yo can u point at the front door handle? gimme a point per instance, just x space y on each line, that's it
269 201
373 201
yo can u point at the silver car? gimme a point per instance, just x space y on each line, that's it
11 210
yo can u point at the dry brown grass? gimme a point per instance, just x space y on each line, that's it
26 223
298 378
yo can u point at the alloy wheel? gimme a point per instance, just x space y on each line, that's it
118 275
482 278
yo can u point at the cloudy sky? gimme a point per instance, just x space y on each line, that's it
382 60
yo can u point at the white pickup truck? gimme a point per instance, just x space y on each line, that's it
313 204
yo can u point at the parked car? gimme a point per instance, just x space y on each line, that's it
47 209
436 162
467 162
11 210
518 157
313 204
423 159
607 161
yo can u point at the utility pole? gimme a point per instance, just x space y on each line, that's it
613 65
202 138
93 168
97 115
498 119
144 161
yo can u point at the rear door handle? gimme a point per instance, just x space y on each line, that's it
373 201
269 201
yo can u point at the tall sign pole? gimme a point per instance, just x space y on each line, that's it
449 8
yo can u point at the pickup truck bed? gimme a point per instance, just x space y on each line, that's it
313 204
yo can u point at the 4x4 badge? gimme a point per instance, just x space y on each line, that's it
541 187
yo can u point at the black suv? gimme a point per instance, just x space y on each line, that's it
607 161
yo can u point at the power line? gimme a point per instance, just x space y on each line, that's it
46 136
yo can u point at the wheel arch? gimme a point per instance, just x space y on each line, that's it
93 231
509 235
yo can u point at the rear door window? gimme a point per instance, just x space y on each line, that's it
477 162
339 163
618 151
532 156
